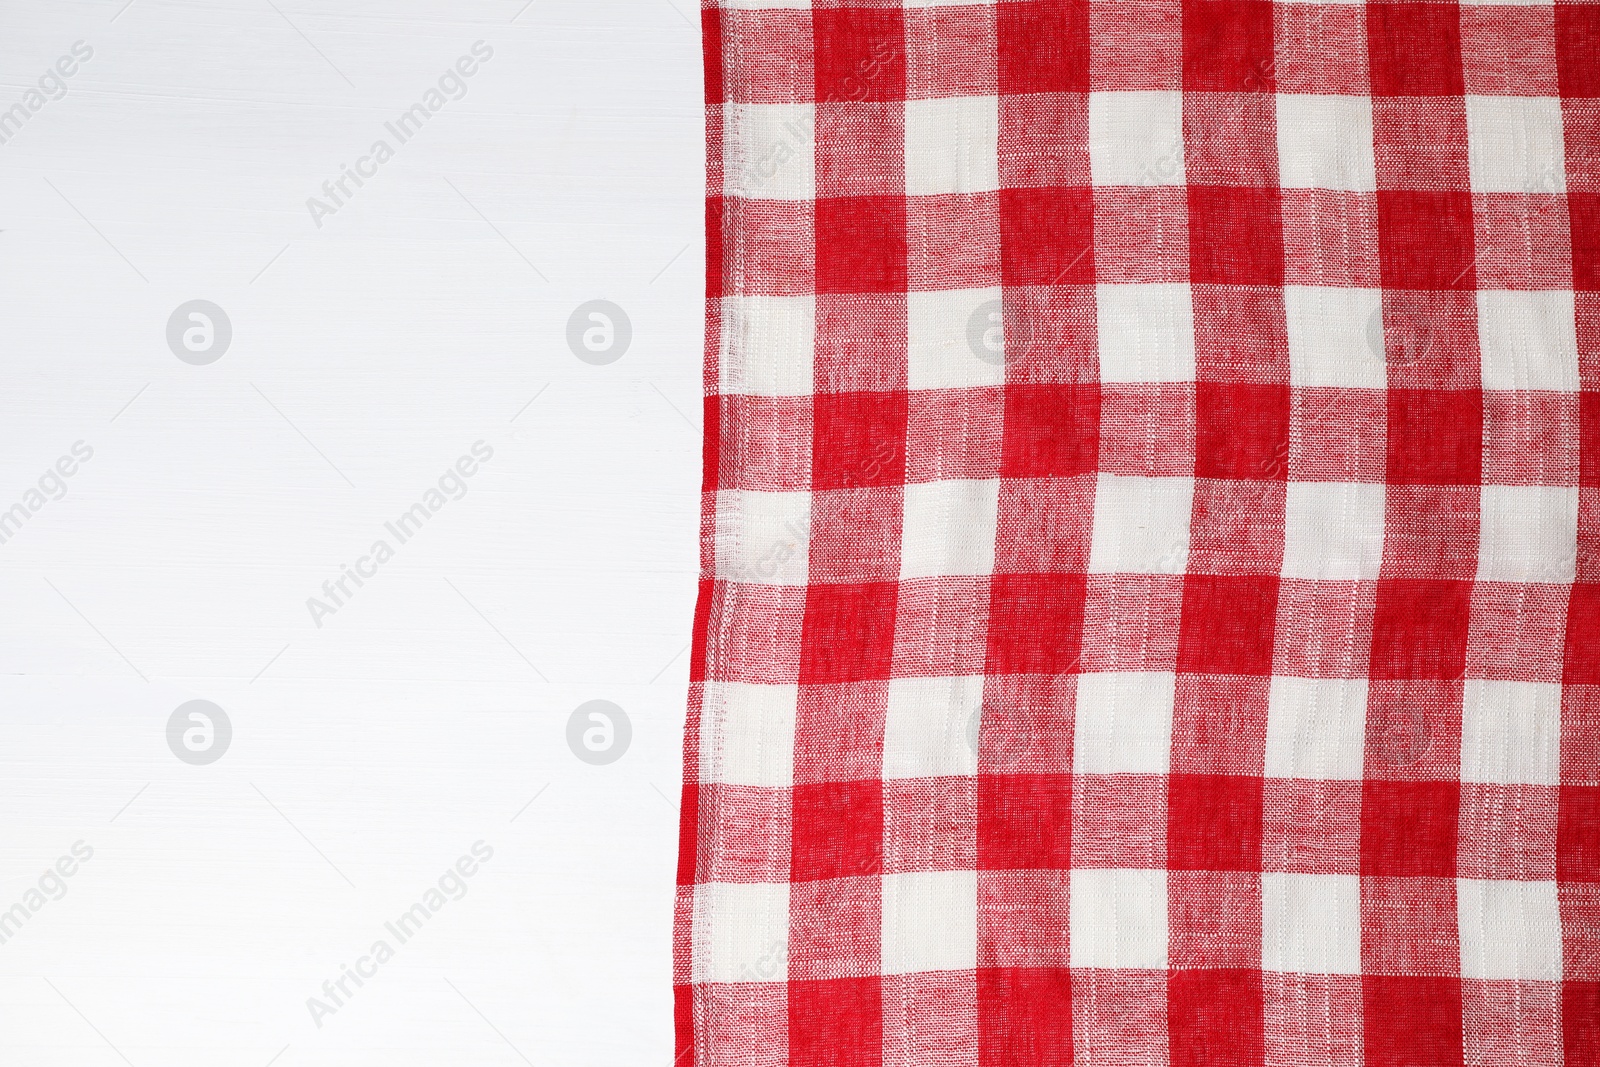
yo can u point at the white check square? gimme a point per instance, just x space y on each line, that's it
930 921
952 145
770 151
1333 530
1528 340
1515 144
1124 723
741 932
1316 728
1528 533
1311 923
1136 138
768 345
931 727
1325 142
1509 930
1335 337
1511 732
763 537
1146 332
955 338
948 528
747 734
1118 919
1141 525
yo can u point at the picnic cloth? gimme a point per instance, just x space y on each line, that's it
1150 604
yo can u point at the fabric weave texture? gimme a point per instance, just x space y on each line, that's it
1150 603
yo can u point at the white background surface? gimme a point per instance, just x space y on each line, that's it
367 356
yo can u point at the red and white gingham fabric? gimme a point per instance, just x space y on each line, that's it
1151 601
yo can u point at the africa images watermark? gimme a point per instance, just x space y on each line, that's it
800 133
453 82
52 885
336 992
796 532
453 481
52 485
52 86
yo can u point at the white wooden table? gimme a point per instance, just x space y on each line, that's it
368 354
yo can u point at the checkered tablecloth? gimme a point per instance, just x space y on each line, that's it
1151 549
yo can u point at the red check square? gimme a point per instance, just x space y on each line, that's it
1425 239
1583 209
860 53
1025 1015
1578 49
1241 431
1051 431
861 244
1580 1021
1046 236
836 1023
1235 233
848 632
1215 1017
1414 49
1044 46
1578 834
1408 829
1412 1021
1228 46
1214 823
838 830
858 439
1011 809
1035 623
1435 437
1227 624
1419 629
